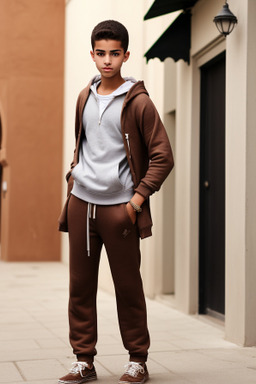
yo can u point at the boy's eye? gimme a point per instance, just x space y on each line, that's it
99 53
115 54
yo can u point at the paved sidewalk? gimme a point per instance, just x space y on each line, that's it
34 345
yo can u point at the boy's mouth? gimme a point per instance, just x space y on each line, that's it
107 69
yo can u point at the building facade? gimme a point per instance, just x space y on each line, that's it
202 253
201 258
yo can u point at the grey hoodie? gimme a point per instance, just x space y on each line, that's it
102 175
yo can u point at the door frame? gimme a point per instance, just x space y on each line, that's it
204 55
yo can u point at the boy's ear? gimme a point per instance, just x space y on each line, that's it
92 55
126 56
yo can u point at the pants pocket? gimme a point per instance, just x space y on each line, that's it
128 216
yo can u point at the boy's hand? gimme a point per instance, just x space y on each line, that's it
138 200
131 213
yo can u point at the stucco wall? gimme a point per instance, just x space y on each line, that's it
241 184
31 106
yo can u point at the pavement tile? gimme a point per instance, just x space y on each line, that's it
161 346
114 364
60 332
16 345
16 317
9 373
110 350
245 357
108 340
50 343
34 345
164 378
32 354
108 380
163 336
24 334
193 363
155 368
186 344
43 369
20 327
54 381
234 376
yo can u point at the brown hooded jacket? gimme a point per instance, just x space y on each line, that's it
147 148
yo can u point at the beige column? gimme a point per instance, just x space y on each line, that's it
183 188
240 179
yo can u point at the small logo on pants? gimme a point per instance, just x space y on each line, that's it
126 233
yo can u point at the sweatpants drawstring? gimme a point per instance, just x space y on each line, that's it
91 214
88 229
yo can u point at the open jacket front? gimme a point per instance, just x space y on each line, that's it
146 144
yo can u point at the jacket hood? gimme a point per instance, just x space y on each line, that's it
122 89
137 89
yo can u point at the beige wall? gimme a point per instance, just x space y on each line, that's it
241 182
240 163
31 107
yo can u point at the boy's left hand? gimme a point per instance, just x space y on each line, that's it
131 213
138 200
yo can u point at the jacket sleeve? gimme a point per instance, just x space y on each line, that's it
158 148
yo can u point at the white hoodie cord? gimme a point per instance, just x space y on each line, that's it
91 214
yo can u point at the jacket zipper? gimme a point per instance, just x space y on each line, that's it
130 158
128 144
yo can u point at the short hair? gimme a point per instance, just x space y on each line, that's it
110 30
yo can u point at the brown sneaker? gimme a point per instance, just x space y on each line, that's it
79 373
135 373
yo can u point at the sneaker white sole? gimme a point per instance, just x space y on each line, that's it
92 377
138 382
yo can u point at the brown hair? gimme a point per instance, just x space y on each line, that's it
110 29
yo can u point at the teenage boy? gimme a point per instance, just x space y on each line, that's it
122 156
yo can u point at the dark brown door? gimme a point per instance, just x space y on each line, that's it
212 188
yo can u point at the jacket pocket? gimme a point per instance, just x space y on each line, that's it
63 219
70 182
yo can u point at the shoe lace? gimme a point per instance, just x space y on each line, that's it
132 369
78 366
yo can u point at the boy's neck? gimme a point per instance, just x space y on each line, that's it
108 86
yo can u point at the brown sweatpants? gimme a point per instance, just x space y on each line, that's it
112 227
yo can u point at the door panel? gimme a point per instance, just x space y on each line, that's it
212 188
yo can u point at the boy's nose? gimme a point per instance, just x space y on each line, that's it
107 59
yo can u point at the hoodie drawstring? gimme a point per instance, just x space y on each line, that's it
91 214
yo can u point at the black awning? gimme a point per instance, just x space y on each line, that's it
162 7
174 42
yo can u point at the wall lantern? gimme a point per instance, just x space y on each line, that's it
225 20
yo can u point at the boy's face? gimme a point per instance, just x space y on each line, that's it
109 56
